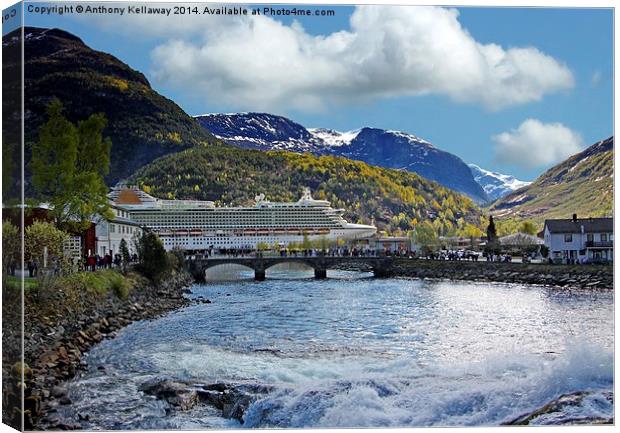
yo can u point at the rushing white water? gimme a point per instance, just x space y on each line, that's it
354 351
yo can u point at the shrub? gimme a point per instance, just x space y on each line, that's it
40 235
176 259
11 246
154 262
117 283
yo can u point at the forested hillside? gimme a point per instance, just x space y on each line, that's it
397 199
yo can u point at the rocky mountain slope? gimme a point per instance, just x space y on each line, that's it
389 149
397 200
583 184
142 124
495 184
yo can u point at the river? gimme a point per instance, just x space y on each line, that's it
354 351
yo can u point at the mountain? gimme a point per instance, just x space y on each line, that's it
142 124
389 149
396 199
496 185
583 184
261 131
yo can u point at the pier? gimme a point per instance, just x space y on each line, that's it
380 266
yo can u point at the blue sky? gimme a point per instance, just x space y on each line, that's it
564 87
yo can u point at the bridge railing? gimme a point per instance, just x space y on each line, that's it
291 255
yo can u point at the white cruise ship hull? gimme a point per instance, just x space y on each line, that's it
201 240
199 225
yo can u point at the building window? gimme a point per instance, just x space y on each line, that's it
568 237
590 237
603 237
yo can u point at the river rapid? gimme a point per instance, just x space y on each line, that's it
355 351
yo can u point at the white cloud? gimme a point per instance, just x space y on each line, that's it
256 62
536 144
596 78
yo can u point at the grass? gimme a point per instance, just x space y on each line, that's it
99 283
15 283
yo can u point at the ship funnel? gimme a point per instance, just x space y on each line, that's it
306 194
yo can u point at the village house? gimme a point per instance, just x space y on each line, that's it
579 240
392 244
109 234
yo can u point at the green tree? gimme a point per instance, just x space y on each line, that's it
425 236
528 227
68 167
322 243
473 233
93 149
10 176
11 246
306 244
153 259
262 246
125 257
40 235
492 246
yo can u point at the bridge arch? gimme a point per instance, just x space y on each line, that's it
381 266
319 271
298 262
223 271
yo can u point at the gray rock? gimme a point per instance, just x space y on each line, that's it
59 392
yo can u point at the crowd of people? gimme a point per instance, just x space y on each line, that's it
310 252
454 256
94 262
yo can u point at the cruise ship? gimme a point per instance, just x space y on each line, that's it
200 225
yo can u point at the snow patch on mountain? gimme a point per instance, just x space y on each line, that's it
496 185
333 138
412 138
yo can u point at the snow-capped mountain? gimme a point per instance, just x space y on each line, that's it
261 131
496 185
390 149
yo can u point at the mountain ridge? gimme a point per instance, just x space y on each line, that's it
582 184
388 149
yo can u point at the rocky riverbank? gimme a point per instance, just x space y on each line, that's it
59 330
233 400
568 276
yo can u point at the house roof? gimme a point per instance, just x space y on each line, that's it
520 239
590 225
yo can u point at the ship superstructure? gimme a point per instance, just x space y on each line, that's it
200 225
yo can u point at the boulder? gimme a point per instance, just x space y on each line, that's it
177 394
555 408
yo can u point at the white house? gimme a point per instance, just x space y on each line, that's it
110 233
580 239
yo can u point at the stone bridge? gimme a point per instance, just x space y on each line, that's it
381 266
